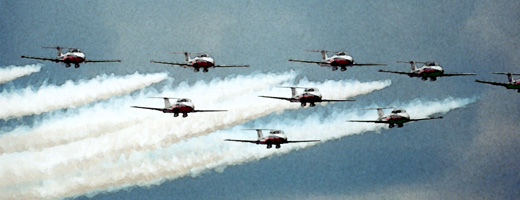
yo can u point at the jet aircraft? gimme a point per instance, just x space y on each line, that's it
182 105
397 116
275 137
202 60
72 56
340 59
511 84
430 70
309 95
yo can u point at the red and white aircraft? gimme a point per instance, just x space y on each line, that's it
309 95
511 84
182 105
202 60
430 70
339 59
397 116
275 137
72 56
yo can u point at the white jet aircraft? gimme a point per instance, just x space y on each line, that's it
397 116
202 60
309 95
339 59
275 137
430 70
72 56
182 105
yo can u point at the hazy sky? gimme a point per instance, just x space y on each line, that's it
471 153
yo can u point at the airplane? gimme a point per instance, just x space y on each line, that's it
511 84
339 59
202 60
72 56
397 116
275 137
430 70
309 95
182 105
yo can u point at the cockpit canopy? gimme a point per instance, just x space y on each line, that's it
398 111
204 55
432 64
276 132
310 90
75 50
341 53
184 100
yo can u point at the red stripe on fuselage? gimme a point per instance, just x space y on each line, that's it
202 64
73 59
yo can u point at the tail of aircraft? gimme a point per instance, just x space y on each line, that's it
413 67
258 131
323 53
510 77
57 48
380 112
167 103
293 90
187 56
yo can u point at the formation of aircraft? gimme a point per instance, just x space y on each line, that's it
309 95
72 56
275 137
397 116
182 105
201 60
511 84
340 59
430 70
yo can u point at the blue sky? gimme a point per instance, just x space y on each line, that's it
471 153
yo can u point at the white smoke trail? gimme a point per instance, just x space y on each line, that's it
116 114
155 132
49 98
152 166
13 72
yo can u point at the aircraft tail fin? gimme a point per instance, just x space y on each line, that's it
380 112
167 103
413 67
258 131
510 77
293 89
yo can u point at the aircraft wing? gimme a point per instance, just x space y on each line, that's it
282 98
458 74
426 118
367 64
209 111
158 109
40 58
248 141
307 61
231 66
335 100
86 61
493 83
169 63
297 141
369 121
396 72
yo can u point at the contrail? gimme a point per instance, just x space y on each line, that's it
116 114
188 157
70 94
13 72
